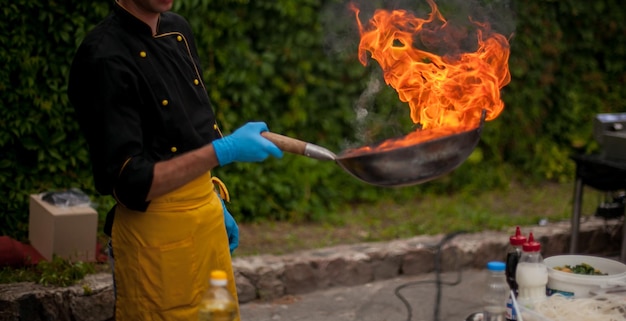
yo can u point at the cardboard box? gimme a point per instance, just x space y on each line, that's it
69 232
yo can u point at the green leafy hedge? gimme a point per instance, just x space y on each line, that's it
41 148
293 64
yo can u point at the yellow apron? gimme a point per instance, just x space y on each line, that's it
163 257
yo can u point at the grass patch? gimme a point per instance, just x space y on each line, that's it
57 272
429 214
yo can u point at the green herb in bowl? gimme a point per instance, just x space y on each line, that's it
582 268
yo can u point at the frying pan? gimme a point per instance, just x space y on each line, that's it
403 166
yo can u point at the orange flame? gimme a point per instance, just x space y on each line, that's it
446 93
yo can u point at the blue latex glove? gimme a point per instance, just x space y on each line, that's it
245 145
232 230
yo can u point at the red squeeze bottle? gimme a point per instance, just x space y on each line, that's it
514 252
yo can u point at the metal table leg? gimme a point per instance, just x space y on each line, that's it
622 256
578 198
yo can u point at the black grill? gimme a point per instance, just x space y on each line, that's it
604 171
610 132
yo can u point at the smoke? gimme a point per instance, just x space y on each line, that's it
498 13
363 106
374 123
342 34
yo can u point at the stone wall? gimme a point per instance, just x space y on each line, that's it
90 300
268 277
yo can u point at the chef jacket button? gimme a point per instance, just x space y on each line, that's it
179 38
142 54
196 82
174 149
164 102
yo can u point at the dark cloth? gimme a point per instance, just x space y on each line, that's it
139 98
108 222
15 254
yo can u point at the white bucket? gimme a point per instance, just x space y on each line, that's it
579 285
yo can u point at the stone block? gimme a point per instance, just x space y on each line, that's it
417 261
300 277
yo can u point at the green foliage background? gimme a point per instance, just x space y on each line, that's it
293 64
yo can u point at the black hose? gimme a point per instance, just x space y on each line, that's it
437 281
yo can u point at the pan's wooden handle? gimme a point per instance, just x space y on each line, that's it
286 143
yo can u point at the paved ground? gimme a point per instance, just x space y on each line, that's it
377 301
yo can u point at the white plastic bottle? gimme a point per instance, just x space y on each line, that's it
531 274
496 292
217 304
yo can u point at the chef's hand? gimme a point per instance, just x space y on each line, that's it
232 230
245 145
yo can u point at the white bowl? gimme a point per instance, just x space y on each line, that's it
579 285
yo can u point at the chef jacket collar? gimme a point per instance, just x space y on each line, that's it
131 22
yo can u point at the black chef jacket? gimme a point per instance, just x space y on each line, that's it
140 99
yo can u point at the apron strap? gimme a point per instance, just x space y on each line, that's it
221 189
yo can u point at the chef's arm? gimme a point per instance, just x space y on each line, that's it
244 145
178 171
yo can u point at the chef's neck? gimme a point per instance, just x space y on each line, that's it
149 15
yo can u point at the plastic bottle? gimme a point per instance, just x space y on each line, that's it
531 274
496 292
217 304
513 254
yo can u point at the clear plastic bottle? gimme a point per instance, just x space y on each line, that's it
513 255
496 292
531 274
217 304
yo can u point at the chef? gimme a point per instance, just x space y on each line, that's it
140 99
